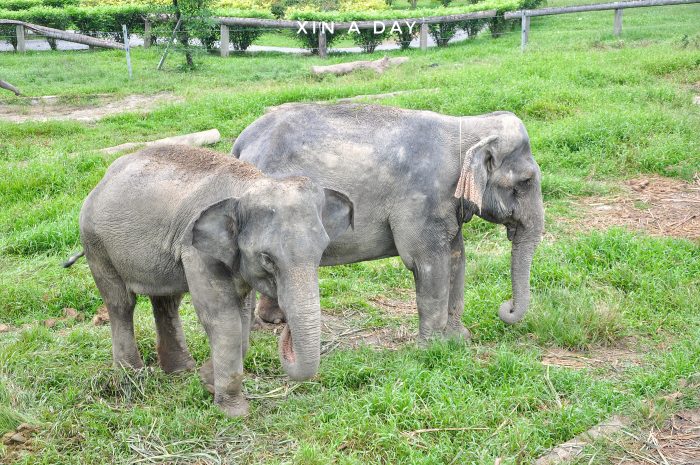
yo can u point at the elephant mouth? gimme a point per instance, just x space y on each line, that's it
287 346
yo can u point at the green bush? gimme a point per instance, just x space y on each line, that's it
56 18
368 40
294 13
310 40
106 21
17 5
404 37
472 27
243 37
61 3
443 32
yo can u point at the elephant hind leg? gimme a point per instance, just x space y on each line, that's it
171 346
120 303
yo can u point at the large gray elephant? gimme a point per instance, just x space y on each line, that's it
173 219
414 177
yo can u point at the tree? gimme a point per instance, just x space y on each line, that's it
196 20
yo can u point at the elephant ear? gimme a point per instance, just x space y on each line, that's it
338 213
475 172
214 231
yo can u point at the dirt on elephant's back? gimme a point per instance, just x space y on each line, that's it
656 205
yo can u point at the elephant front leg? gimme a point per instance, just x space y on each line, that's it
432 273
219 310
455 328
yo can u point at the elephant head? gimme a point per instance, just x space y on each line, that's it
501 180
274 236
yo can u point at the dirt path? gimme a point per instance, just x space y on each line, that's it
656 205
55 108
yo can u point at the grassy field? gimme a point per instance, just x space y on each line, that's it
600 110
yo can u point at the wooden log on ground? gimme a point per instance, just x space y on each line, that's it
196 139
379 66
58 34
10 87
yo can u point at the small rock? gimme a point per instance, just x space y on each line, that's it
696 100
72 313
4 328
25 427
50 323
13 438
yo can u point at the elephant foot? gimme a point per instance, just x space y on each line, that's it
458 332
230 398
235 407
269 311
206 374
173 362
133 361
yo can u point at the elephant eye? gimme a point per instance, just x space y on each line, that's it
267 263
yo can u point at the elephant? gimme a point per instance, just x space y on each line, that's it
415 177
174 219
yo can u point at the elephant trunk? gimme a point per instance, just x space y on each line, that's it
300 342
525 242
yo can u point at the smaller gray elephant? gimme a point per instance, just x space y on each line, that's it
173 219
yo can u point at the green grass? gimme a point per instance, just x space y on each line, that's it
598 109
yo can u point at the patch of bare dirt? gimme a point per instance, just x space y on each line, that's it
656 205
404 305
677 443
612 358
349 330
54 108
18 441
563 453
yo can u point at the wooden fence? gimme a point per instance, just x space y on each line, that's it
226 23
525 15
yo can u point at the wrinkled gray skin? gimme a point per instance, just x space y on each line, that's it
401 168
174 219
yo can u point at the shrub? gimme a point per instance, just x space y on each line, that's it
404 37
368 40
106 21
362 5
61 3
442 33
57 18
17 5
310 40
472 27
243 37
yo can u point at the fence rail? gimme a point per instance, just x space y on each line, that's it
56 34
330 27
525 15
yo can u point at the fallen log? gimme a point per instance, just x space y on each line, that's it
10 87
196 139
379 66
65 35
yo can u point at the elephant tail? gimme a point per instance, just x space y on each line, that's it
73 258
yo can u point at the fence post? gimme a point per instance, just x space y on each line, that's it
526 31
21 44
147 34
322 43
127 49
423 36
617 29
224 47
